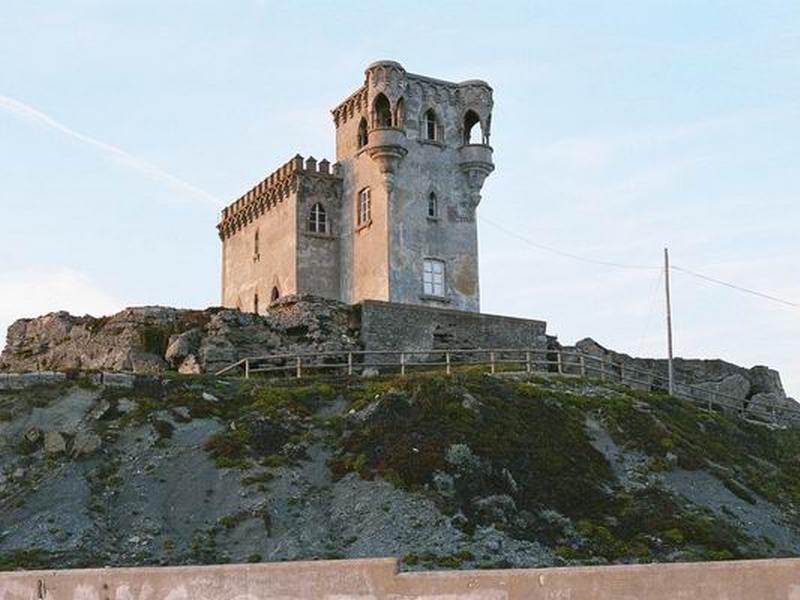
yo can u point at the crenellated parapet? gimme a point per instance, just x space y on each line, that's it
298 174
354 104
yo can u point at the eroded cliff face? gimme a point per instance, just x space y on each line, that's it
155 339
466 471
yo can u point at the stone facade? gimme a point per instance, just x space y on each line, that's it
393 219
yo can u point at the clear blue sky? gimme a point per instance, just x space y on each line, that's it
619 127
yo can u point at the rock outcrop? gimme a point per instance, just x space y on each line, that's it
155 339
757 390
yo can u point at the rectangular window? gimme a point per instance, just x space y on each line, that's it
433 277
364 207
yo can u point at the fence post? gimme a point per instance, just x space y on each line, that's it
349 363
583 365
402 364
247 368
299 372
528 362
447 361
492 362
560 363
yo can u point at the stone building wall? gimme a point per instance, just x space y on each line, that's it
402 169
246 272
389 326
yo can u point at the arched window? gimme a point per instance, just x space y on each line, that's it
430 126
400 114
318 219
275 294
255 303
433 206
362 133
472 135
382 111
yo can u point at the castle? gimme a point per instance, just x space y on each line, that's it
392 219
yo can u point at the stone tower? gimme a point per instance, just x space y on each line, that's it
393 219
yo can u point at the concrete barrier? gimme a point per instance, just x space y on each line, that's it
378 579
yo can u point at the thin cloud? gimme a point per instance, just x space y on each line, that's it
28 113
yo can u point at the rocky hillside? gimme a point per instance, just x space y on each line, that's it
155 339
469 471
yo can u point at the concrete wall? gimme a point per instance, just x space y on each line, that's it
376 579
388 326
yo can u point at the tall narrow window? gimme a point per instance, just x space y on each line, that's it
472 134
400 113
255 243
255 303
275 294
431 125
364 207
433 206
382 111
433 277
318 219
362 133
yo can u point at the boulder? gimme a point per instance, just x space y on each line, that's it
86 443
54 443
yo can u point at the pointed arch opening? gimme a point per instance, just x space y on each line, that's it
472 134
275 294
362 133
382 111
318 219
400 114
433 206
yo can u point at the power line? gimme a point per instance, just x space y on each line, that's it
736 287
586 259
607 263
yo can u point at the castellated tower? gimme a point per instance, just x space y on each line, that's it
393 219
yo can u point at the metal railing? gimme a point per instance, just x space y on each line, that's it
510 360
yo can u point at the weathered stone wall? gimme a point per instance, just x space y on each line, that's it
387 326
246 273
318 254
378 579
387 254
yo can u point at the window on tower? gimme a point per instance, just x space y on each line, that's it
364 207
431 126
362 133
472 134
433 206
433 277
382 111
318 219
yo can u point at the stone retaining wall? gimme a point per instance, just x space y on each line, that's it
378 579
388 326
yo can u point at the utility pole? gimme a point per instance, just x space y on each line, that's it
670 372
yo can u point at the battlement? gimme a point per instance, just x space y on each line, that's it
354 104
275 188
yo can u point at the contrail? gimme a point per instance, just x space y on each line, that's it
22 110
